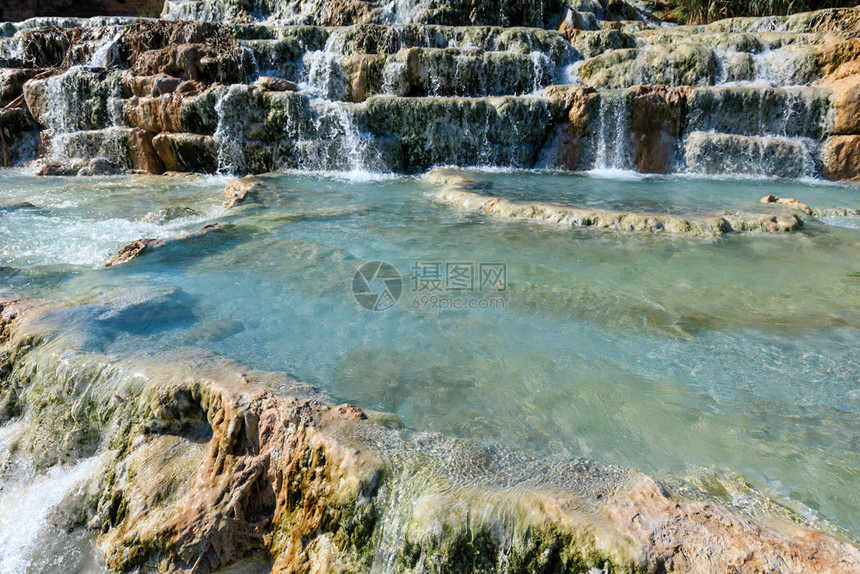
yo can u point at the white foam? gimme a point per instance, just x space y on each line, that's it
613 173
25 509
846 222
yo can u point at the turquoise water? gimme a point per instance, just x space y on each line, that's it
728 368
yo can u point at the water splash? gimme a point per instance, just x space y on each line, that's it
107 52
26 506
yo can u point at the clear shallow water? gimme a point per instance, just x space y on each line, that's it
732 362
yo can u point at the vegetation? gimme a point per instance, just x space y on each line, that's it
705 11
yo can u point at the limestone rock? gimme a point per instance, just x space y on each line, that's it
593 43
100 166
276 84
839 58
12 83
656 122
789 201
187 152
240 190
840 158
180 61
157 85
81 167
209 465
13 121
129 148
155 114
846 104
681 64
803 112
140 246
56 168
569 147
571 21
457 192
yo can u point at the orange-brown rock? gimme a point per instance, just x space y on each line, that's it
846 104
142 154
789 201
187 152
657 522
177 60
271 84
240 190
138 247
211 461
360 68
839 58
568 150
570 140
149 85
571 22
579 103
656 121
155 114
840 158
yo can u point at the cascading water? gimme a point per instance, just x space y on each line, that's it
229 134
30 540
80 101
108 52
612 142
324 78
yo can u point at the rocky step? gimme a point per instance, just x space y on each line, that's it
691 62
720 154
538 13
567 126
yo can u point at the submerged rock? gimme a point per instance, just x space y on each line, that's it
789 201
82 167
207 462
141 246
458 192
240 190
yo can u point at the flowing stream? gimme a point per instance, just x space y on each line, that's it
727 367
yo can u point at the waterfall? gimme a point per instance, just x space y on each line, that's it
323 77
542 69
107 52
612 143
354 153
74 102
229 134
394 79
